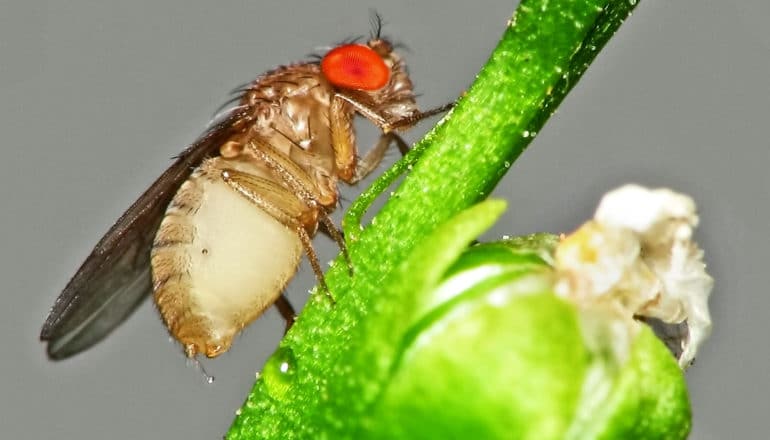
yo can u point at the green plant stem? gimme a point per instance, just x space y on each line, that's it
544 51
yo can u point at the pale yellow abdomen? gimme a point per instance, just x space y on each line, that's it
218 261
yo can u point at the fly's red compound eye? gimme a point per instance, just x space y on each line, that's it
354 66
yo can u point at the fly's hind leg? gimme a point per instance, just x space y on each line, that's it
283 206
307 192
286 310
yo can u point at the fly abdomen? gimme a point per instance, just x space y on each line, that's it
217 267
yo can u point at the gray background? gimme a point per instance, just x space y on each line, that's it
95 97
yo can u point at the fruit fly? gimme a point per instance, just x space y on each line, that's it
219 234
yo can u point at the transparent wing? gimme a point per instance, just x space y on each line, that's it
115 277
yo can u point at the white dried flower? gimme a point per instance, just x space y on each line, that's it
637 258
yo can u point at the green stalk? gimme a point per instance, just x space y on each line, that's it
313 386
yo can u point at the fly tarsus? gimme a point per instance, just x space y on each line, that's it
412 120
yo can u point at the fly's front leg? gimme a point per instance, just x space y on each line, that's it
413 119
343 107
364 105
350 169
283 206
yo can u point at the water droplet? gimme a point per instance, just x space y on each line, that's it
525 133
632 2
507 164
250 405
278 374
498 299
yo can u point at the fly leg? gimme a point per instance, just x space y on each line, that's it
284 206
341 112
364 105
352 220
374 156
350 168
305 189
286 310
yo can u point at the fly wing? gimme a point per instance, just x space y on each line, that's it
115 277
